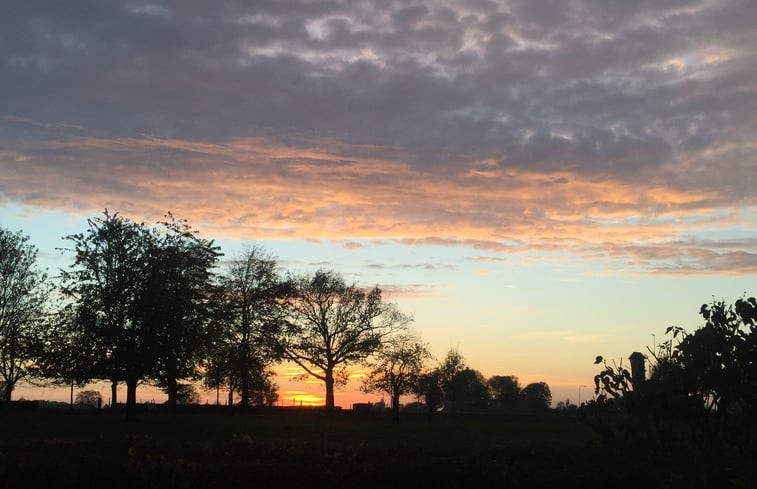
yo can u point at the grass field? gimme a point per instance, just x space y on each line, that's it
308 448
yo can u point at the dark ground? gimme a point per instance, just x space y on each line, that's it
301 448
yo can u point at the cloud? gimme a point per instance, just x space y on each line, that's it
687 257
411 292
580 127
412 266
353 245
267 189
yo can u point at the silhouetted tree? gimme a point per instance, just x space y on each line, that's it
433 385
69 350
428 389
253 298
453 364
106 284
536 397
331 325
715 368
88 398
719 359
699 399
505 391
177 303
264 391
218 366
466 390
23 292
566 406
186 394
224 371
396 367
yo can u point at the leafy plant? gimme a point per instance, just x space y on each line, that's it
613 381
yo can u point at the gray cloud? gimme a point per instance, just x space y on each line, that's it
638 93
449 75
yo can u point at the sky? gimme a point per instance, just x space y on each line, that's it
536 181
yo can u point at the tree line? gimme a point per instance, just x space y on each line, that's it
451 385
154 303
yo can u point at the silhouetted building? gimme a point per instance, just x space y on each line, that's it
361 407
638 369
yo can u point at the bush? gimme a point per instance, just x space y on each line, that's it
89 399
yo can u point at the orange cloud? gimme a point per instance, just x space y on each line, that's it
262 188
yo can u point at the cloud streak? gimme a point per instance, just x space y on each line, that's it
257 188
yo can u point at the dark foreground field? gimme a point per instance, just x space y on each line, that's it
290 448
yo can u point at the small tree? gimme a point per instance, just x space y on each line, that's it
505 391
536 397
23 293
566 406
90 399
186 394
432 386
396 367
448 369
467 390
68 352
428 389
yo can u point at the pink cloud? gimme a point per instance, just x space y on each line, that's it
326 190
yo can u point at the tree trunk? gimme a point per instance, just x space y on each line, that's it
172 389
113 393
395 407
244 391
8 391
244 372
430 407
71 397
131 399
329 389
231 397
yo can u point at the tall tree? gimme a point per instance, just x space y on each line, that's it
23 292
396 367
253 296
331 325
177 302
107 280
